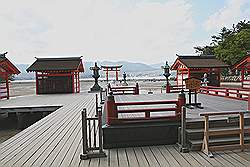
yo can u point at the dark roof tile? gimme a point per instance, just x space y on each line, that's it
56 64
203 61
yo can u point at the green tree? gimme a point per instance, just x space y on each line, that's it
230 45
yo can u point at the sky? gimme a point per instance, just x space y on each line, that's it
146 31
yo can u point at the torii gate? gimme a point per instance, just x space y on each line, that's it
115 68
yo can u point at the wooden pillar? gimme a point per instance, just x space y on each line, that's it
111 109
7 86
73 86
177 83
219 76
182 79
242 76
78 81
75 78
205 145
37 83
116 74
107 75
248 102
188 73
242 131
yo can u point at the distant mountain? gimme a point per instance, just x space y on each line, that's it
132 69
24 75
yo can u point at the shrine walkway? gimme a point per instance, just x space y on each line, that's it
56 139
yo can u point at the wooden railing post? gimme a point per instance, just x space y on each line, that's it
147 114
96 104
227 92
205 144
101 152
183 148
249 102
137 89
181 102
111 109
84 154
242 131
109 88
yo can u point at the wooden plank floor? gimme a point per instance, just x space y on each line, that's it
56 141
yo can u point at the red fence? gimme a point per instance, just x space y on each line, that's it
234 93
124 90
111 108
4 92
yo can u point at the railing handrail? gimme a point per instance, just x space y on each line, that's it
122 87
228 88
223 91
146 110
224 113
146 103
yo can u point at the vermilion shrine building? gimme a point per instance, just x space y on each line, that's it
197 66
244 67
6 70
57 75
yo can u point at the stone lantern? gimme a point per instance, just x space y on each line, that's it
95 75
166 73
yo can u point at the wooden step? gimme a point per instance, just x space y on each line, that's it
198 133
196 144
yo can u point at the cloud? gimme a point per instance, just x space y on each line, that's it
133 30
231 13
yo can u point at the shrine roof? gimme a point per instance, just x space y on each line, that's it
203 61
57 64
7 66
245 61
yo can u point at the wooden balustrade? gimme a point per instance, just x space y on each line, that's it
207 133
124 90
235 93
111 108
92 136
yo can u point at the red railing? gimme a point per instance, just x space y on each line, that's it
234 93
112 110
3 92
124 90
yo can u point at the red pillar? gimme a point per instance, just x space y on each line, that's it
137 89
242 76
79 82
181 102
116 74
219 76
177 74
248 102
107 75
36 83
182 79
111 110
7 86
73 85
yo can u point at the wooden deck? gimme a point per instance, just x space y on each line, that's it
56 141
